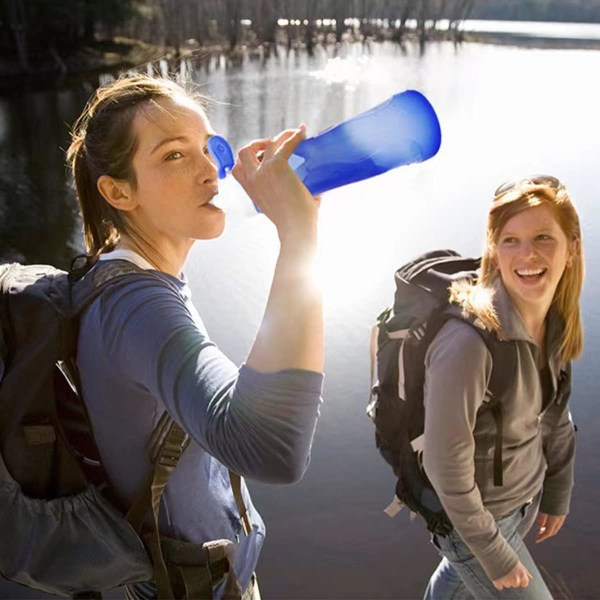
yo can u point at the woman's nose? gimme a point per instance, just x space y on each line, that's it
208 169
529 249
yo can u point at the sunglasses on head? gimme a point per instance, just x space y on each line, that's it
547 180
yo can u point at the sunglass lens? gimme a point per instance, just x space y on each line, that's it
507 185
548 180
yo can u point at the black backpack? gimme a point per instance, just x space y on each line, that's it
63 530
398 346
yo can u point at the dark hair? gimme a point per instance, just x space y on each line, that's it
103 143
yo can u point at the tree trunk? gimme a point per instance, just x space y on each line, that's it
340 11
421 24
310 15
232 22
170 11
18 23
405 13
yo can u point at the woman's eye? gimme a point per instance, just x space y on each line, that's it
175 155
543 237
509 240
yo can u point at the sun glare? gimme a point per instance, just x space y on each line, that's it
349 248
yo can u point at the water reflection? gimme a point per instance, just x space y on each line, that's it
504 112
37 208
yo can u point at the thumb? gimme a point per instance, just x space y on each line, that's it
542 519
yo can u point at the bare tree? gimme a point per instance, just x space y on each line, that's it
438 10
458 12
18 23
172 24
310 16
423 16
264 20
229 16
340 13
404 8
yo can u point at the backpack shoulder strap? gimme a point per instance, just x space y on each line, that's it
169 441
85 285
88 283
504 364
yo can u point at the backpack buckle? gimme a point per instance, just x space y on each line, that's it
171 451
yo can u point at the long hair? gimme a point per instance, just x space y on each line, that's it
103 143
477 299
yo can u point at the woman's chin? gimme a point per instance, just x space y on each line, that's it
213 231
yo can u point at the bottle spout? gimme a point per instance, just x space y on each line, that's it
221 151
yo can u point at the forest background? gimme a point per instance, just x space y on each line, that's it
38 37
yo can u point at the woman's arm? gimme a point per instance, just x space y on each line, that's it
559 449
257 424
558 434
458 367
291 332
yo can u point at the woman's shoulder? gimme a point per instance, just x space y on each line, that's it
129 293
458 329
458 342
120 276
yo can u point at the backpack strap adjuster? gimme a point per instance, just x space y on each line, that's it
173 448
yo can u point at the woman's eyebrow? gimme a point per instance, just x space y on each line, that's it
167 141
179 138
537 230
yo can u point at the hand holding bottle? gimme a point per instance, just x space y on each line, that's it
263 170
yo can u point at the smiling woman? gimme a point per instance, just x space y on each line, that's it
531 274
532 253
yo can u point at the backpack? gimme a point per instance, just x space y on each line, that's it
399 343
63 530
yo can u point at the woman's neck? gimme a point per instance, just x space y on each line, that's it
166 260
534 320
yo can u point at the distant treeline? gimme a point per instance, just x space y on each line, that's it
35 30
583 11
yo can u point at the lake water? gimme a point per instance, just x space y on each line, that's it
505 112
536 29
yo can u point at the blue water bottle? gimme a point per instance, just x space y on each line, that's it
402 130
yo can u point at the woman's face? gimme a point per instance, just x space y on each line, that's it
532 253
176 178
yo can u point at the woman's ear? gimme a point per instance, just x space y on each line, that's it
116 192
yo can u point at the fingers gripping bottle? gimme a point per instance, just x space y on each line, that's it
400 131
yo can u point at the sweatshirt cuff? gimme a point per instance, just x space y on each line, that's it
499 558
555 504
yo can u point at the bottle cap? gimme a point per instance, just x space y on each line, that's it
221 151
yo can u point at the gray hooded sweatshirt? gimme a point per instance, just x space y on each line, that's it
538 441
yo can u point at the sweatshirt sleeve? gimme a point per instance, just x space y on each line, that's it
458 367
559 449
260 425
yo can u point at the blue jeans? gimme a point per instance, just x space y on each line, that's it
460 576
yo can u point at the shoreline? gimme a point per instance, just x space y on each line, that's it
528 41
119 54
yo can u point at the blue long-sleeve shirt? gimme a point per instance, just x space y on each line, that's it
143 349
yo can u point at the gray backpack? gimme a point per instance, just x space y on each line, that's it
63 530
